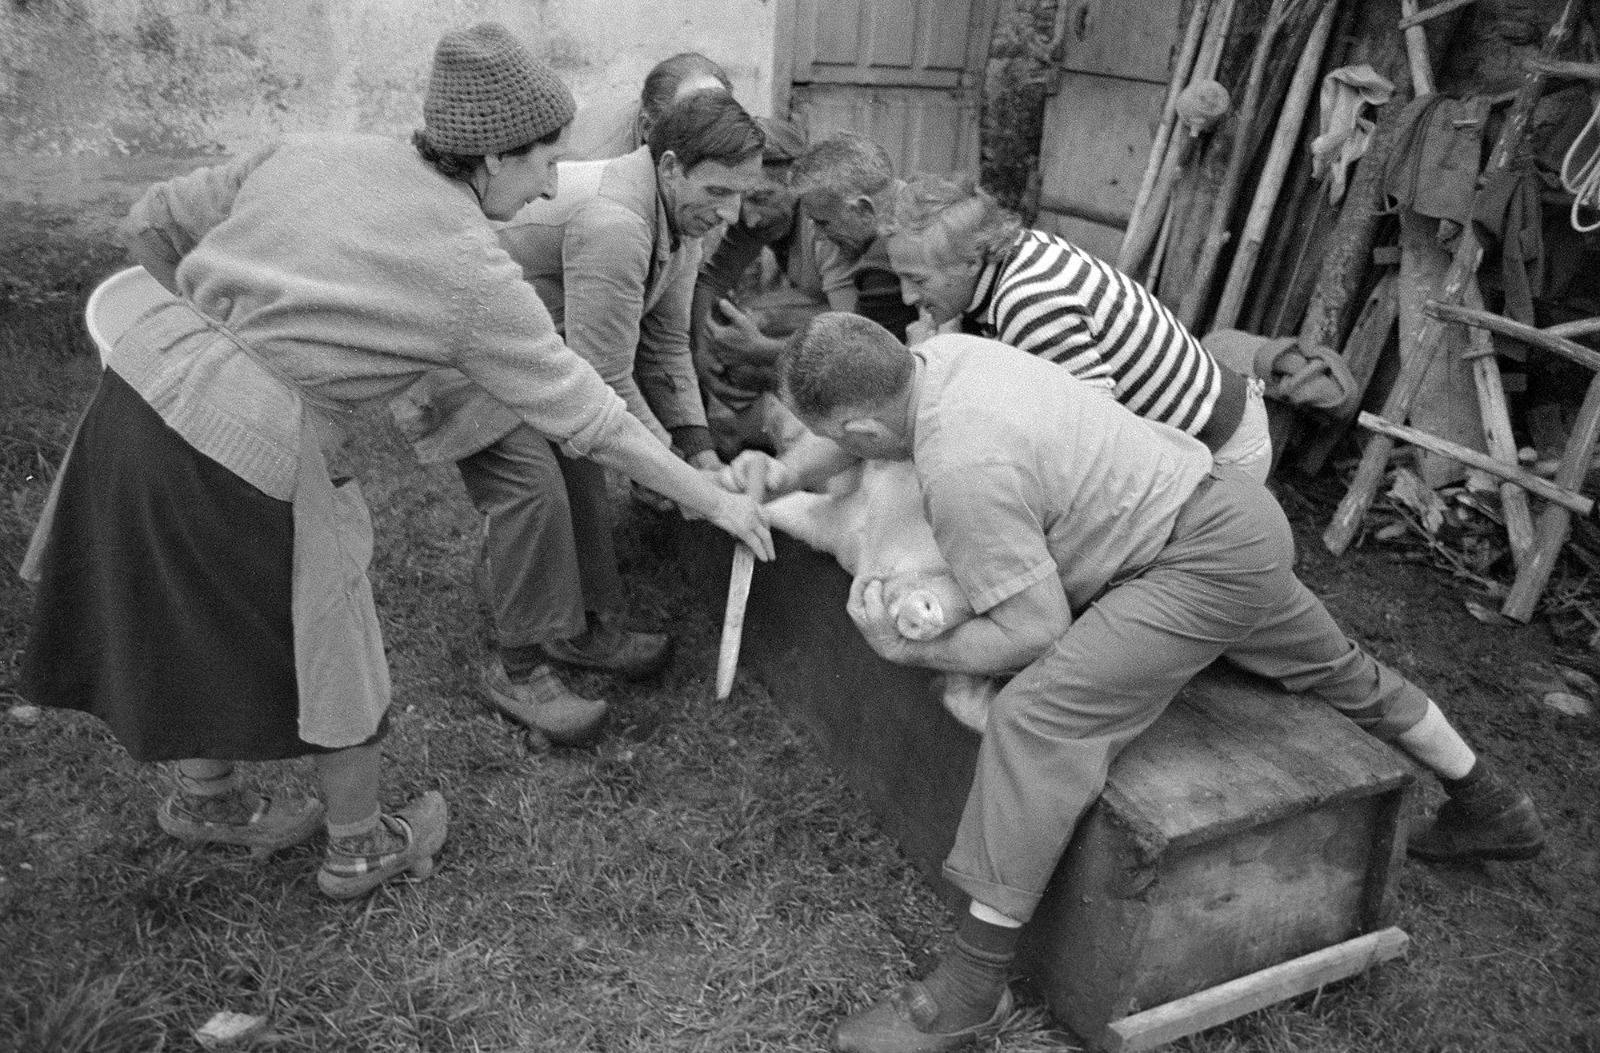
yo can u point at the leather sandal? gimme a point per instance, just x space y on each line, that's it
268 826
416 834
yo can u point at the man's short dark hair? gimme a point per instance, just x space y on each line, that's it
706 126
661 83
844 166
839 360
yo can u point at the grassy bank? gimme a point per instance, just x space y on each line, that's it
699 881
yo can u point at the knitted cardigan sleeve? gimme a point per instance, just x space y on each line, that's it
507 344
170 219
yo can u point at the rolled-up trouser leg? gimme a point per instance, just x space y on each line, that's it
530 559
1224 584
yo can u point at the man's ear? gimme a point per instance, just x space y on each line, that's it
865 205
669 166
867 427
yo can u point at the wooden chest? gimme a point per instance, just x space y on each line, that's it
1246 828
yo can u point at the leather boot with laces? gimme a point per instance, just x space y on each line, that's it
605 648
1498 827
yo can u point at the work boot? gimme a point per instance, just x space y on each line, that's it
608 649
1502 824
399 843
544 705
963 1000
238 817
898 1024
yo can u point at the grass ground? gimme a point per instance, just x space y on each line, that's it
699 881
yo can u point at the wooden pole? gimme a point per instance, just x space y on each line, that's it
1555 339
1199 290
1538 485
1497 436
1416 49
1348 257
1169 118
1139 238
1216 1005
1362 351
1290 120
1550 534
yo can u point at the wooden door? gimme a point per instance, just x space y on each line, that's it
1100 123
907 73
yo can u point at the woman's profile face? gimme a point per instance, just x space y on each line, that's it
514 181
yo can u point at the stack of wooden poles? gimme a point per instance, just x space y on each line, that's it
1154 246
1215 201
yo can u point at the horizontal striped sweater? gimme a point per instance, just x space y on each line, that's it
1052 299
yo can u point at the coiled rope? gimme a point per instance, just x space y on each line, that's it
1583 181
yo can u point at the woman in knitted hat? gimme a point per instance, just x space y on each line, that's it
202 582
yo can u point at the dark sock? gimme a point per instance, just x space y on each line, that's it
967 983
988 937
521 661
1481 791
1465 784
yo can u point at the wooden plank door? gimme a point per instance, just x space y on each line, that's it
1100 124
907 73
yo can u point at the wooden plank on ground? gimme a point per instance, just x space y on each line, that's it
1217 1005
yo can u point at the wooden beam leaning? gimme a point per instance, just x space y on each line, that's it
1416 50
1551 340
1562 68
1550 533
1291 117
1464 265
1181 69
1244 122
1145 227
1218 1005
1537 485
1497 435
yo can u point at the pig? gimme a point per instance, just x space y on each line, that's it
871 519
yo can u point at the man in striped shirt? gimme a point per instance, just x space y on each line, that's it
961 256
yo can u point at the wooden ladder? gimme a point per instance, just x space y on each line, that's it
1534 547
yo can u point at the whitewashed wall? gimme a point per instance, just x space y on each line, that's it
124 77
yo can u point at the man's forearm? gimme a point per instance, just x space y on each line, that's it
814 460
975 646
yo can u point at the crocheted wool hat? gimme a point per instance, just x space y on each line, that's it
487 94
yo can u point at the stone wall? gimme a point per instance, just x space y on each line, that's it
217 76
99 98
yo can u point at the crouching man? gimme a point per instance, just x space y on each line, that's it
1110 560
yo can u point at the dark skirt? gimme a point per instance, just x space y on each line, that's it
164 601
